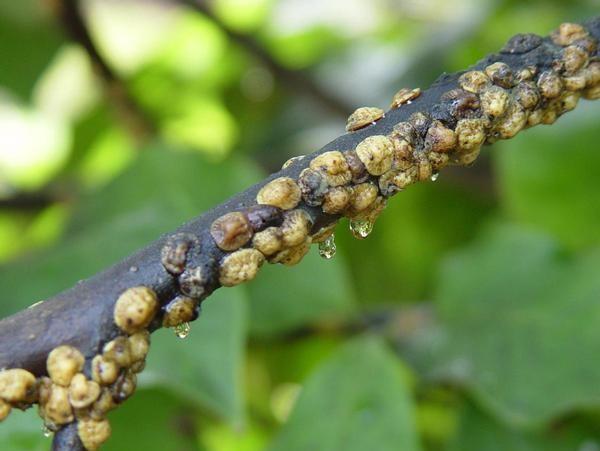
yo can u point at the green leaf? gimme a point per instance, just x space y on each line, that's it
152 420
32 36
548 177
479 432
520 326
206 367
283 298
398 260
23 431
357 400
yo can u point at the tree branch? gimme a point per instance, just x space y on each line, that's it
539 79
297 80
69 14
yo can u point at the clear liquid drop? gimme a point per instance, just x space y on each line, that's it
182 330
327 248
434 176
46 431
361 228
292 160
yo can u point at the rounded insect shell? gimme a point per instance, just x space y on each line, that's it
494 101
336 200
313 185
93 433
573 58
522 43
568 33
438 160
535 118
501 74
424 169
192 282
323 233
465 158
592 74
592 93
282 192
174 253
263 216
139 344
395 181
57 409
474 81
403 151
240 266
231 231
470 133
420 122
135 309
372 213
83 393
118 351
17 385
403 96
575 82
362 196
293 255
104 371
124 386
550 84
268 241
5 409
512 122
180 310
334 166
568 102
526 73
362 117
462 103
63 363
440 138
527 94
296 227
406 131
291 161
376 153
357 168
104 404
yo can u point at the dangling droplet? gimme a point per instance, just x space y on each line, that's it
182 330
361 228
434 176
327 248
46 431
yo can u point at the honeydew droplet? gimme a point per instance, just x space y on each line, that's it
361 228
182 330
46 431
327 248
435 176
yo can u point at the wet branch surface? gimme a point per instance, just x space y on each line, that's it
83 315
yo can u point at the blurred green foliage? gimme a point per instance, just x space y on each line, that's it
467 321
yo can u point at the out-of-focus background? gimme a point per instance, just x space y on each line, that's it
468 321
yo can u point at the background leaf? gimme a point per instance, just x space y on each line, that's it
357 400
519 325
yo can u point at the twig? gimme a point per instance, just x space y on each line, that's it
141 127
532 80
296 80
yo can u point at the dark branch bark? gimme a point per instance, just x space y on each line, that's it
66 439
83 315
